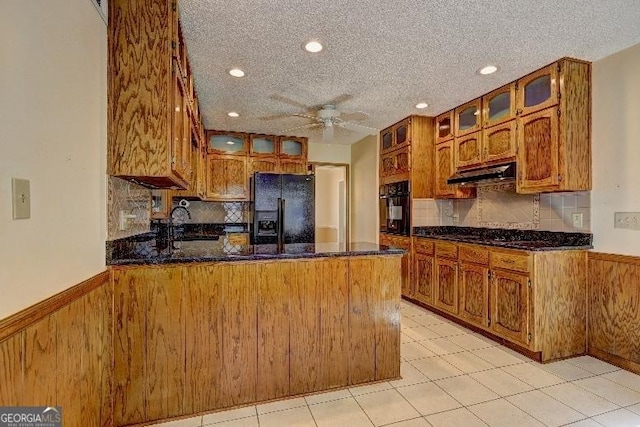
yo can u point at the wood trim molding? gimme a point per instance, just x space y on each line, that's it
625 259
30 315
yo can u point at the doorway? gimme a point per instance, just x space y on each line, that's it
332 202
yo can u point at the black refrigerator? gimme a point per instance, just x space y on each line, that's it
283 208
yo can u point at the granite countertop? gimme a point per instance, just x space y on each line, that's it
529 240
148 248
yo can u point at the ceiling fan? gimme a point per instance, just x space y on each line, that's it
328 118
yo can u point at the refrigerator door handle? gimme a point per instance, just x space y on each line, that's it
281 237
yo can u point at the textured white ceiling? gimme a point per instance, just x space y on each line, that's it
381 57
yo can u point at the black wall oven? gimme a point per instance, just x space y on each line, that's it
395 208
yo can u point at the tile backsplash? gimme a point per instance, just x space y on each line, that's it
131 199
501 207
217 212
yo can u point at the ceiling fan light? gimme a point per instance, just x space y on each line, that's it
489 69
422 105
236 72
233 114
313 46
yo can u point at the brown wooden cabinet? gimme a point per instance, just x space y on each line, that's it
468 150
401 242
474 285
151 100
423 273
554 132
535 300
227 177
263 164
444 168
510 305
467 118
444 126
499 106
409 157
292 166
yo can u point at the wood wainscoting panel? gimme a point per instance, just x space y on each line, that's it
239 340
334 323
130 308
72 355
627 312
305 292
97 383
11 381
203 291
165 349
362 337
40 374
277 283
387 294
614 317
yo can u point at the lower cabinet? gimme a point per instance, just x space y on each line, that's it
474 293
401 242
510 305
446 285
535 300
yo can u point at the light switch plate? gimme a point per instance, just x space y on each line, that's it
21 196
629 220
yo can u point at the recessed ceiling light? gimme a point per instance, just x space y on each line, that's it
422 105
236 72
489 69
313 47
233 114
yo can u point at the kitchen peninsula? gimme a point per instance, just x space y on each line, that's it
200 329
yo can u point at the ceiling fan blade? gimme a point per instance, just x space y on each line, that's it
340 99
306 116
356 115
275 117
357 128
307 126
327 134
287 100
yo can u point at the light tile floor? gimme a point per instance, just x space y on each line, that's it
454 377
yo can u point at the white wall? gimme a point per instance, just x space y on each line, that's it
616 149
53 119
329 153
364 190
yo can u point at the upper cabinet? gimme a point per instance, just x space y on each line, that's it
263 145
406 154
542 121
467 117
499 106
538 90
152 102
444 127
227 142
292 147
396 136
554 128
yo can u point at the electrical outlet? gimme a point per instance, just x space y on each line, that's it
628 220
124 220
456 217
576 218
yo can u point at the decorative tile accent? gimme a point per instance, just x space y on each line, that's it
131 198
499 206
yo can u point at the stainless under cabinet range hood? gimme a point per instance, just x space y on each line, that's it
488 174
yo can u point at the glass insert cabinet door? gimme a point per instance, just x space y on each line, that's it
263 145
226 142
386 138
468 117
499 106
292 147
538 90
444 126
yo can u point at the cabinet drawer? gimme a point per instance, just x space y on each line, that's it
510 261
447 250
423 246
473 254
